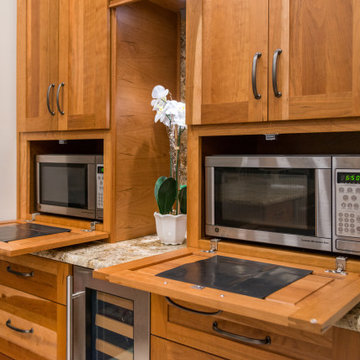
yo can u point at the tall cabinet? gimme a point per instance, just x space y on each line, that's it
64 65
254 61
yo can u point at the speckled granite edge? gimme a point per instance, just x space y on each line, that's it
99 255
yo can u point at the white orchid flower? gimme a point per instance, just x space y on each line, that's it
159 92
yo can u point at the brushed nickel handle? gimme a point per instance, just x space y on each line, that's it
277 93
51 86
12 327
171 302
266 341
18 273
58 98
257 96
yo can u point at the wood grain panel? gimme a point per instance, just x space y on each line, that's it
48 278
84 66
115 300
174 351
26 246
231 36
37 49
47 319
144 55
314 313
319 66
115 326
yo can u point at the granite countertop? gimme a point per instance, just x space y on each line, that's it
99 255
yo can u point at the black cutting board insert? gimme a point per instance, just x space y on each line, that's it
23 231
251 278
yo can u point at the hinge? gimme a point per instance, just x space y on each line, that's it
340 266
33 217
92 226
214 245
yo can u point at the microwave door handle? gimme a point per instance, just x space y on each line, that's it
323 203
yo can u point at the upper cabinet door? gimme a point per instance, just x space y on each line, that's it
318 70
37 64
231 37
84 72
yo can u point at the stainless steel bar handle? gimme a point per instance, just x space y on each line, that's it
58 98
257 96
69 317
277 93
266 341
18 273
171 302
51 86
8 324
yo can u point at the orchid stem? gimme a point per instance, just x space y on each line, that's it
177 168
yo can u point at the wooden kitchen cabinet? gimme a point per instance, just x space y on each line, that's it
317 68
63 65
33 308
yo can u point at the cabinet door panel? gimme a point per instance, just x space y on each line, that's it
84 64
319 67
37 63
231 36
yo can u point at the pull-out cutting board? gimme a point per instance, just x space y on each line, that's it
313 303
46 242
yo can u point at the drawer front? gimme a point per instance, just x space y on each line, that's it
37 276
30 327
174 351
187 328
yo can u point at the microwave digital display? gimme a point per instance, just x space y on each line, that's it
348 178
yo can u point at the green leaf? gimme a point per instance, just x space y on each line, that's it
183 199
165 194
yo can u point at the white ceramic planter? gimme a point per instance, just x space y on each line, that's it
171 229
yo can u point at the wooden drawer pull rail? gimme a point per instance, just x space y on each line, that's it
8 324
171 302
18 273
266 341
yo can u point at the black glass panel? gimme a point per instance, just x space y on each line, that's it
64 185
109 327
238 276
276 200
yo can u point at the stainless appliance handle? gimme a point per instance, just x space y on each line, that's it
69 317
323 203
266 341
257 96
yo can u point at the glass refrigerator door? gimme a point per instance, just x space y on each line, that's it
110 327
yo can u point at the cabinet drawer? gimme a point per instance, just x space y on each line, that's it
30 327
41 277
174 351
197 331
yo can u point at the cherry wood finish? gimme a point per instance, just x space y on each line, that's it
223 41
195 331
63 41
46 319
84 64
319 67
26 246
175 351
48 278
312 304
37 63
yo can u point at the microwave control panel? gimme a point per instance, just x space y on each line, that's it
100 186
347 191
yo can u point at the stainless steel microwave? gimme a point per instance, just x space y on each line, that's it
70 185
309 202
